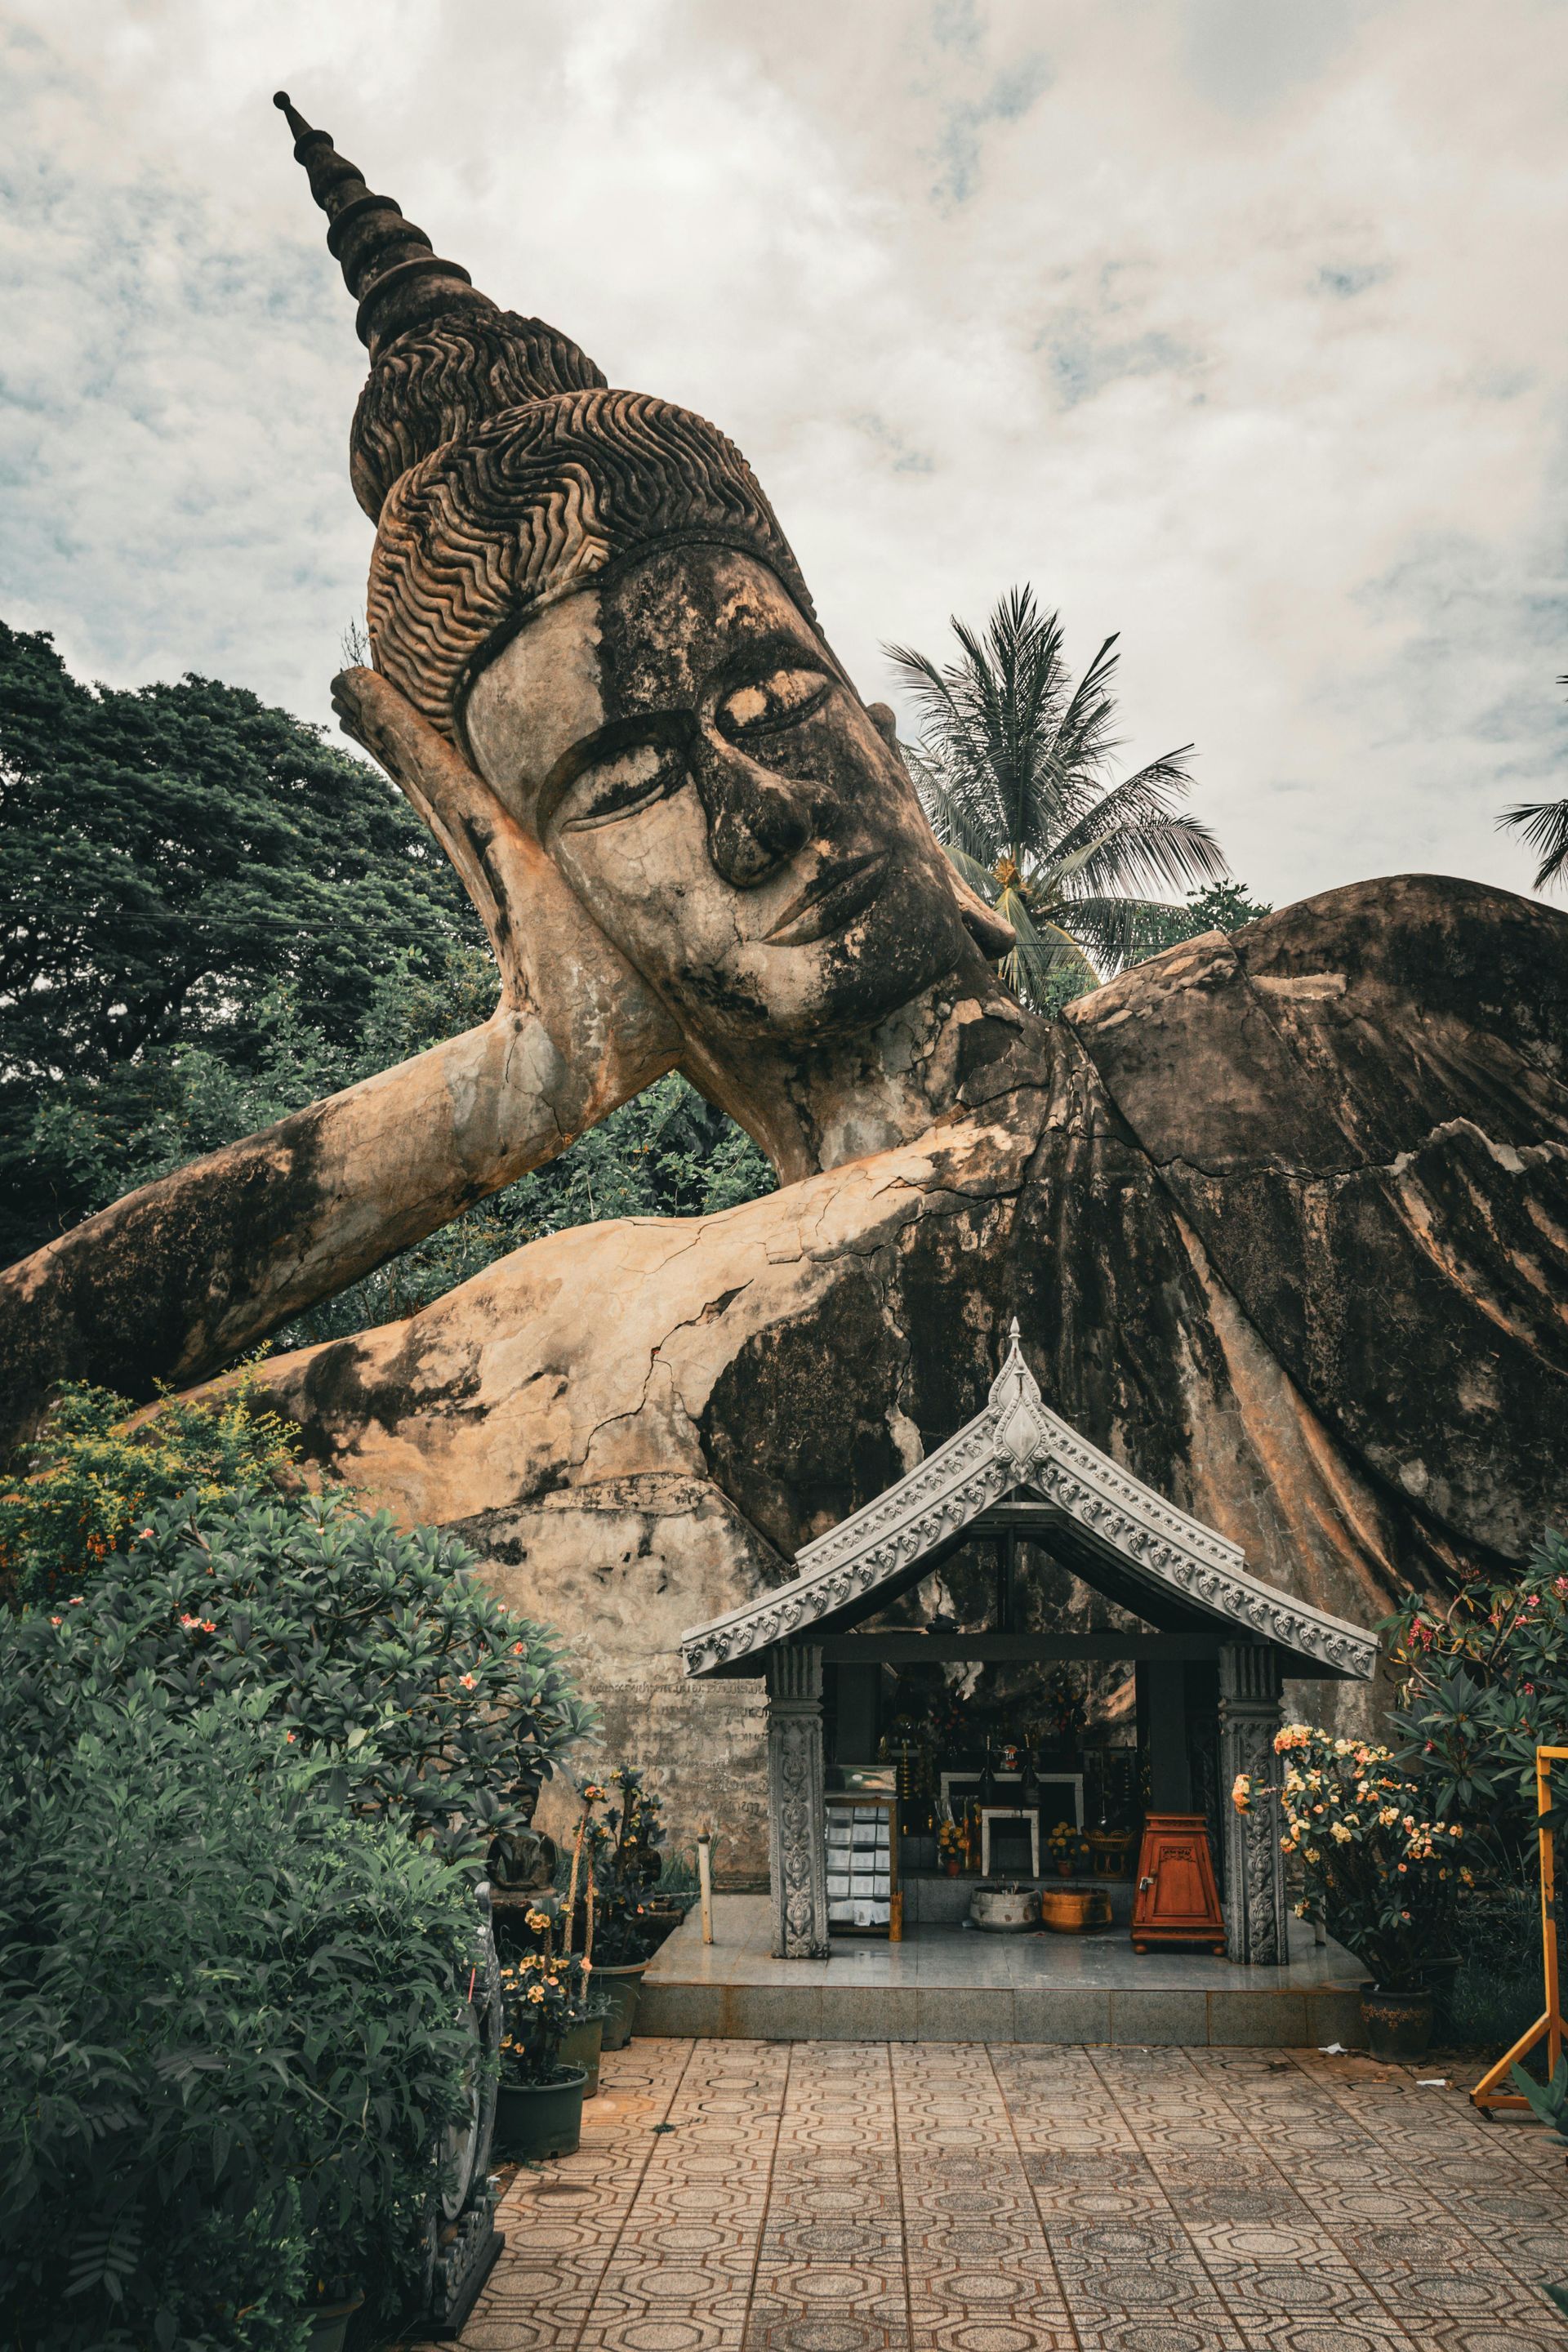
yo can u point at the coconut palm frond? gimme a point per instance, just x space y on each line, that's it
1155 791
1174 853
1543 824
964 828
980 877
1112 928
1085 736
1014 769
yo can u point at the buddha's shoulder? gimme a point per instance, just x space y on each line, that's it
1348 1024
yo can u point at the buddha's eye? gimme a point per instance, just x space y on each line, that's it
768 705
620 784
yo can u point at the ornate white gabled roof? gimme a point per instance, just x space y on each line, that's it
1018 1441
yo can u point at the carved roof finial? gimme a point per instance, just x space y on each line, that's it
389 266
1022 1425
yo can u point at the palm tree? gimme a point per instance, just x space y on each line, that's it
1012 768
1545 825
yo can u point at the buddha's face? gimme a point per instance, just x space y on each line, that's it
690 755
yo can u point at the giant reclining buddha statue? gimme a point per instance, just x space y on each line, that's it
1284 1217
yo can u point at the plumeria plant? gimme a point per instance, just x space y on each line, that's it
1379 1871
367 1644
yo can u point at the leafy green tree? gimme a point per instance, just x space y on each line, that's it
1223 907
172 859
1545 825
1013 767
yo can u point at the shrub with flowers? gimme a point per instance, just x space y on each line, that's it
1380 1873
90 1479
368 1644
544 1995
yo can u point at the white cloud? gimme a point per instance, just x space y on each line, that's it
1232 325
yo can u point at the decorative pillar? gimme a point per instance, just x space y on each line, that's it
1249 1716
798 1851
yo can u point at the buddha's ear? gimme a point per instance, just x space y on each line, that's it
992 933
496 864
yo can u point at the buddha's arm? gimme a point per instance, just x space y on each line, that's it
179 1278
175 1280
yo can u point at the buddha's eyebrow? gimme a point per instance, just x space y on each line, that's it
771 649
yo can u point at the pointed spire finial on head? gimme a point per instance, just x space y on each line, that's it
389 266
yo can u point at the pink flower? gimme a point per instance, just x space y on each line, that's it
57 1621
468 1680
76 1601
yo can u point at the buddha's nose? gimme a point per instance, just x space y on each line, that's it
756 818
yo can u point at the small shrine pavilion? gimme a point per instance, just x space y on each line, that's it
1019 1477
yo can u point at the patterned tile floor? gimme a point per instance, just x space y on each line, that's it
875 2197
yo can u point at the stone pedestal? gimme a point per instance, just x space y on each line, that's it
797 1852
1249 1716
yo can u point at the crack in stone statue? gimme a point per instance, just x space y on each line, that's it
1284 1217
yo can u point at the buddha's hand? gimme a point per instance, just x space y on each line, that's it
553 960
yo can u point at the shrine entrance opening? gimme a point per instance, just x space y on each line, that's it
1020 1664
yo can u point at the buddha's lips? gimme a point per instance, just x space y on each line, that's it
833 899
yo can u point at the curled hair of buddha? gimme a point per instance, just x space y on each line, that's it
538 500
440 380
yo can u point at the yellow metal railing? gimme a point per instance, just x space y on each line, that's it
1548 2027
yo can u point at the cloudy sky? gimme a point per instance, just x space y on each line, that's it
1234 325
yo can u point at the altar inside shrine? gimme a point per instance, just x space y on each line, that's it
1022 1671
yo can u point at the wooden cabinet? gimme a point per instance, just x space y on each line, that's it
863 1892
1176 1900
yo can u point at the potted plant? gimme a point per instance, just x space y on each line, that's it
1380 1875
950 1845
1068 1848
538 2104
615 1865
328 2312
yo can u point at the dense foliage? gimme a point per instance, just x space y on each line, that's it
183 871
91 1480
1013 767
231 2024
364 1643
